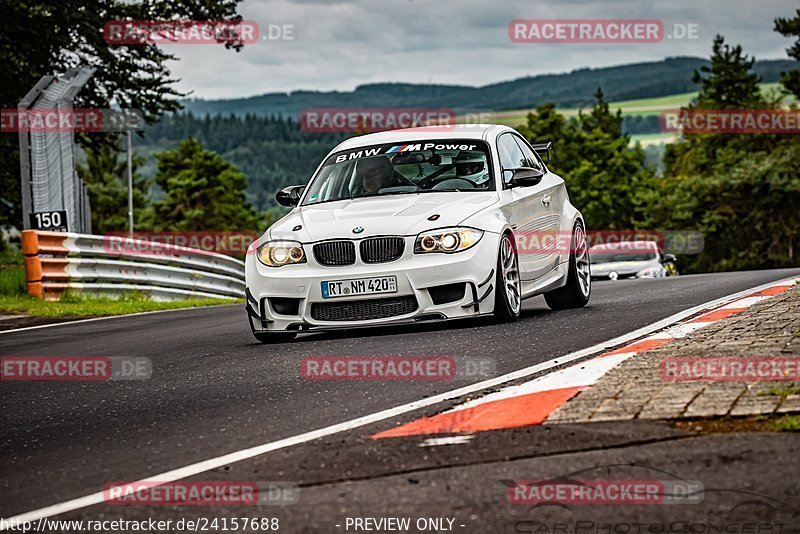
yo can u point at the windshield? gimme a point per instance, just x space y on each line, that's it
610 257
403 168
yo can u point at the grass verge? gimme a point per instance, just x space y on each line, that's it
73 306
753 423
643 107
787 423
12 280
781 391
15 300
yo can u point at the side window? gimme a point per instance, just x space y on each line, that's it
531 160
511 157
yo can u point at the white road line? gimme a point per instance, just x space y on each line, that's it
679 330
244 454
577 375
449 440
744 303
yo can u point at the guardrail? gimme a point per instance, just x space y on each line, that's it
111 266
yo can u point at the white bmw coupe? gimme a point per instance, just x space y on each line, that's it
417 225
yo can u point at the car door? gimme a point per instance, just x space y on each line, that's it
532 210
556 239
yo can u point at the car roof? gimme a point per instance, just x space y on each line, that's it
625 245
477 131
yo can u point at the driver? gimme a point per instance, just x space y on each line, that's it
375 173
471 166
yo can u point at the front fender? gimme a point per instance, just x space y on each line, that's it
489 220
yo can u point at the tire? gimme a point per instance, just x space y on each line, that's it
275 337
578 289
508 290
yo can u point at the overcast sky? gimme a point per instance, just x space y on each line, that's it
338 45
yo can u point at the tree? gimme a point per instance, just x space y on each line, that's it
603 173
105 174
791 28
601 119
742 191
729 82
746 210
202 192
273 152
39 37
546 124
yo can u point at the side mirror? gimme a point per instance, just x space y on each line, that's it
524 176
669 258
545 150
289 196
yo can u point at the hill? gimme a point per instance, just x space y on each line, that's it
574 89
259 134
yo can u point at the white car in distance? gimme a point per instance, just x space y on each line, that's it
635 259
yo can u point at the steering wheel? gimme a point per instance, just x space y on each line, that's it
474 184
399 177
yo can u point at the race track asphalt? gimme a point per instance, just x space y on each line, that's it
215 390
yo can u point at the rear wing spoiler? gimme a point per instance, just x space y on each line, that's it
545 150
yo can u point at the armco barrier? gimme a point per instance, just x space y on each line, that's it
111 266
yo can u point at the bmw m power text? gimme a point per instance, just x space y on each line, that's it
416 225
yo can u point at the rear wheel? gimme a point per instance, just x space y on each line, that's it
508 291
576 292
274 337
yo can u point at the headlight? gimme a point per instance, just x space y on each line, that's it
280 253
447 240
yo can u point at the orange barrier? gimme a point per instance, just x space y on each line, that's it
35 242
58 261
39 269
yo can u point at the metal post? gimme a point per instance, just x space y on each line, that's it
130 186
88 203
24 151
25 176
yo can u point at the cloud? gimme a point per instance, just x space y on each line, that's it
339 45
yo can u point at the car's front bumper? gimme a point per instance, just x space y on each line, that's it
301 286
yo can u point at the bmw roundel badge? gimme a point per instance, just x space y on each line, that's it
358 229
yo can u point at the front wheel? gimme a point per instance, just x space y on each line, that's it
576 292
508 293
274 337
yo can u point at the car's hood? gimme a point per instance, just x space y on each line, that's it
621 267
388 215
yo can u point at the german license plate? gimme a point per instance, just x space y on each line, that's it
359 286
